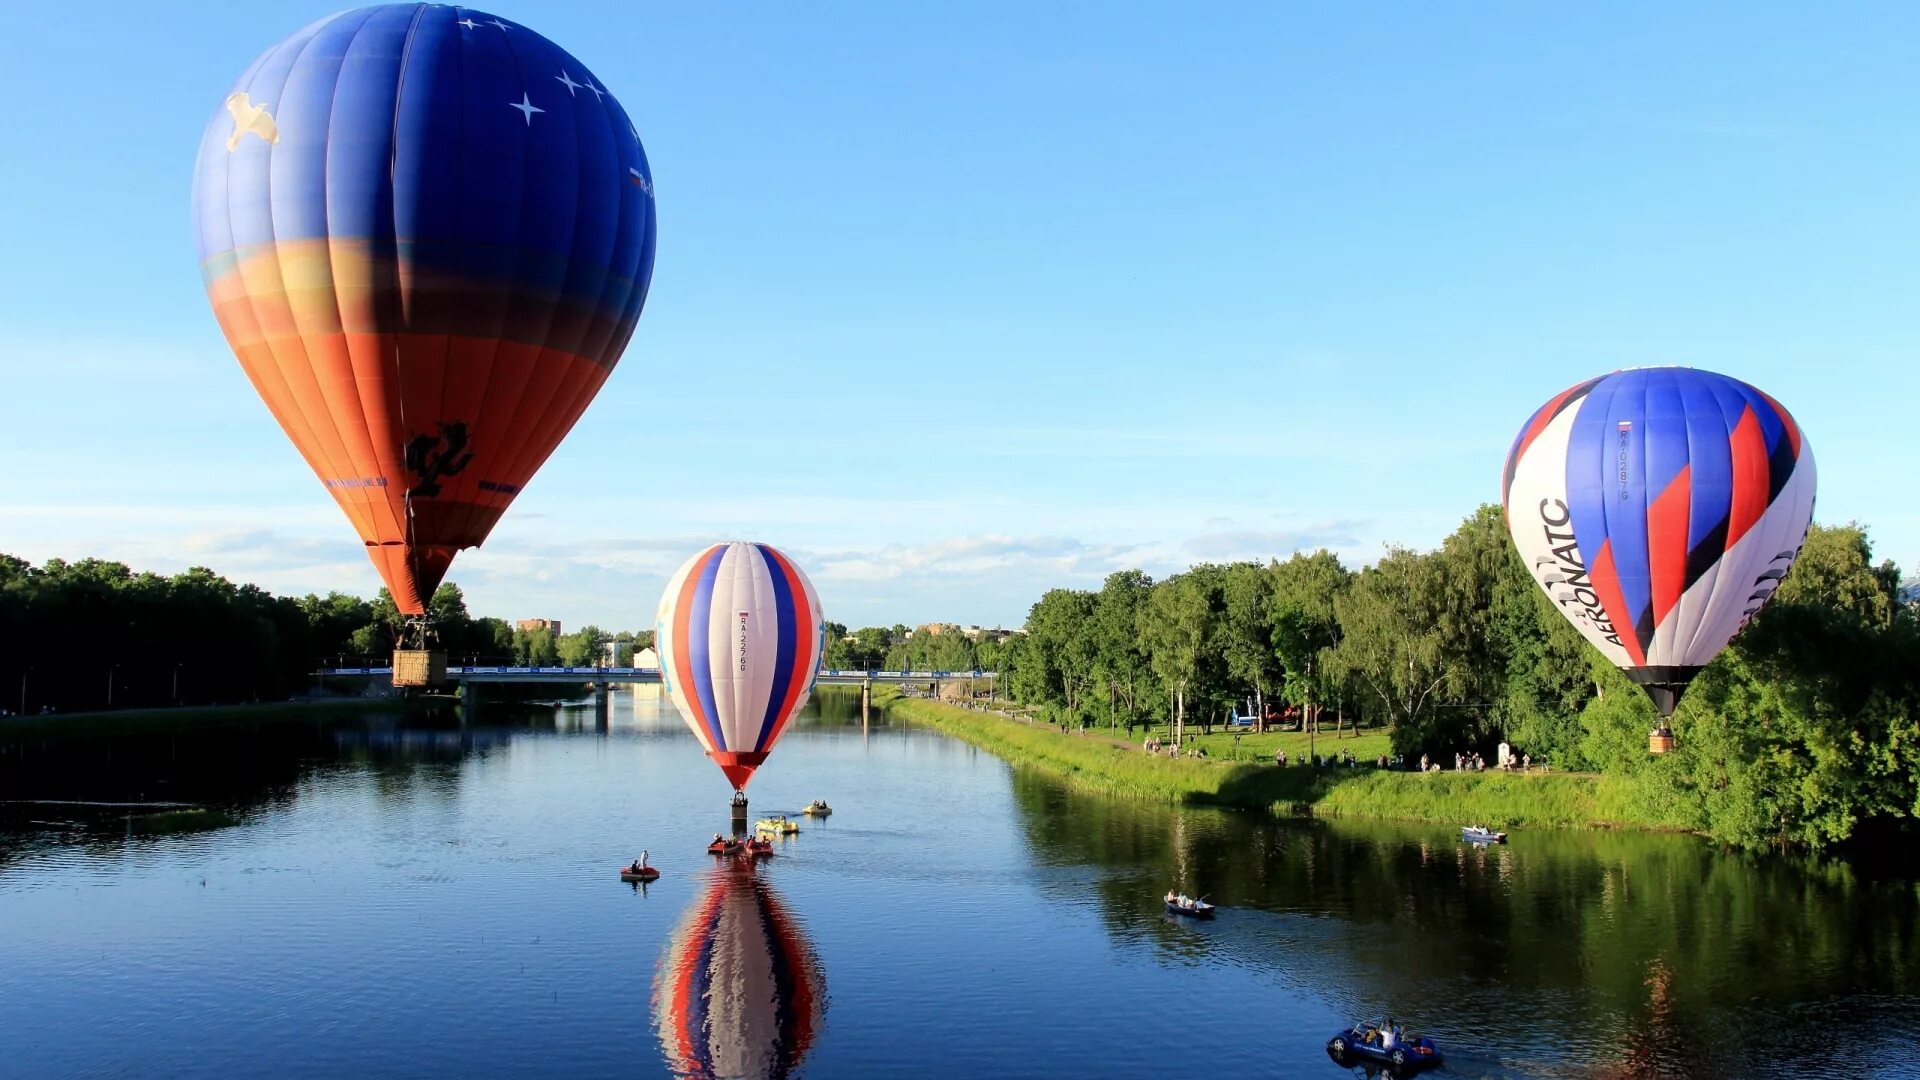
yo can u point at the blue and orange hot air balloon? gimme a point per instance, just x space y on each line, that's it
427 233
740 992
739 634
1660 508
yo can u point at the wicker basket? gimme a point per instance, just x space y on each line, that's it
419 667
1659 741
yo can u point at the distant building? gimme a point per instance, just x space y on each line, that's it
528 626
646 658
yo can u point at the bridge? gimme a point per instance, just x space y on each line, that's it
472 677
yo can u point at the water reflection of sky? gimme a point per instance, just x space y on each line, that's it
395 901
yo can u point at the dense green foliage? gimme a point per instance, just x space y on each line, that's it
1807 725
96 635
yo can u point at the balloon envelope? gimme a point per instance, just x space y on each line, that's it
740 992
1659 508
739 635
427 234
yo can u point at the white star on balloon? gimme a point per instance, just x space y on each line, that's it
469 23
526 106
595 89
566 80
499 24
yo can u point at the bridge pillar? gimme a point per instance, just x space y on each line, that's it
469 702
866 701
600 704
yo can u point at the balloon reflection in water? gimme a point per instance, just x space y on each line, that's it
740 992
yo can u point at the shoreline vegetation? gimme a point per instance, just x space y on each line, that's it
209 716
1535 799
1803 733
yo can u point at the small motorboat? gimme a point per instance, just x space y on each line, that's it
779 825
1480 834
759 849
638 870
723 847
817 808
1193 909
1367 1040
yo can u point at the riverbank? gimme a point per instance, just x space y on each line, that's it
305 709
1541 800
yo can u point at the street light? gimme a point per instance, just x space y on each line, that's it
112 672
176 685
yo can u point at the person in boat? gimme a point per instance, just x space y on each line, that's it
1388 1035
1170 898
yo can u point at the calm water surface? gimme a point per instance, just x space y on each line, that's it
393 900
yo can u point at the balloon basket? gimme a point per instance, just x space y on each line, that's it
1660 741
419 667
740 818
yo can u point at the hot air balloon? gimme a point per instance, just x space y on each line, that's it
739 635
1660 508
739 992
427 233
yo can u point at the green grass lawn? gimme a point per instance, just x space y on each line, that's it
1105 764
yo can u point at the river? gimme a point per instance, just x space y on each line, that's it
386 900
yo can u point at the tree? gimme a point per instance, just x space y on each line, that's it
1304 626
1118 659
582 647
1176 630
1394 642
1246 633
1059 652
535 648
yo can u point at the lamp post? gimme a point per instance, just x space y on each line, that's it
112 672
23 690
176 685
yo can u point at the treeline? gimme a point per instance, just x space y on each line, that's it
95 634
1806 726
896 648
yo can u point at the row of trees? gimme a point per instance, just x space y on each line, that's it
366 630
95 634
896 648
1806 726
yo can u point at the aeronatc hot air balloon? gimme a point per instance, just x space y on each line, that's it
1660 508
739 635
427 233
740 992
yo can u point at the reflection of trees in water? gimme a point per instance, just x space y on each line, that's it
231 766
1603 944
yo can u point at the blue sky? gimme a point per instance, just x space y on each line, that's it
1007 296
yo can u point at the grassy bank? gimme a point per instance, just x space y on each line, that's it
102 723
1558 800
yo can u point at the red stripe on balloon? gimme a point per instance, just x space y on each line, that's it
1786 421
1667 543
1606 585
1751 476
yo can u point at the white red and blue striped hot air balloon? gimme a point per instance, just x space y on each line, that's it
1660 508
739 634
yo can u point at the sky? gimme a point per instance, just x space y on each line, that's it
956 304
